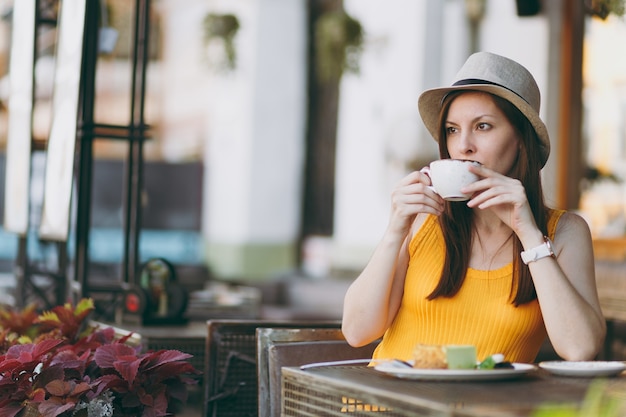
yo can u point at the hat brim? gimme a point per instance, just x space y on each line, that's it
430 102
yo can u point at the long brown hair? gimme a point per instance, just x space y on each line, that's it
457 219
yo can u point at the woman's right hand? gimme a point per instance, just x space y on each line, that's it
410 197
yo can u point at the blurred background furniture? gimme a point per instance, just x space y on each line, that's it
279 347
610 268
189 338
230 376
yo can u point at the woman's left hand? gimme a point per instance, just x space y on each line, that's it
505 196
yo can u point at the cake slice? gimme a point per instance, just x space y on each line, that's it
429 357
460 356
444 356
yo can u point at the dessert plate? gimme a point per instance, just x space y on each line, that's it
584 368
391 368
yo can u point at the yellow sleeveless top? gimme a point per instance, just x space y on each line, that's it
480 314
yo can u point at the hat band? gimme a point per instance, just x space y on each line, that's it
471 81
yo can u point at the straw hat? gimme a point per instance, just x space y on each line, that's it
495 74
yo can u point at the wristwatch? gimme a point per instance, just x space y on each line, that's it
542 251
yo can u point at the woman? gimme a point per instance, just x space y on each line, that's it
452 272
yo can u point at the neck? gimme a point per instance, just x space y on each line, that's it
487 222
490 240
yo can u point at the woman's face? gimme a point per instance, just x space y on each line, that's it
477 129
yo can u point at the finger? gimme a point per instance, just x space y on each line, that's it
425 197
417 189
413 177
483 170
492 182
490 201
487 188
424 201
495 197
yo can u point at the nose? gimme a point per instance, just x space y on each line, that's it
464 143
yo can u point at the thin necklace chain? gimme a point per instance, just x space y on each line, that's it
492 257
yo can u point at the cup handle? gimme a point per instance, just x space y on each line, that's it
426 170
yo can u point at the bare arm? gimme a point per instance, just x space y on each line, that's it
566 285
567 293
373 299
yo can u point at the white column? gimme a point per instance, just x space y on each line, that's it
379 129
255 141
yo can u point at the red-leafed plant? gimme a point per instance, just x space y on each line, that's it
19 322
146 383
19 368
66 321
60 367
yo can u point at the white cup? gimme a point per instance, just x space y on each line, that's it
448 176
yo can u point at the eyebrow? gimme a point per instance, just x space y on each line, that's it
475 119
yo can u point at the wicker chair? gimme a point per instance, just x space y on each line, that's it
279 347
230 379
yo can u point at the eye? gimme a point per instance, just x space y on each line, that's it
451 129
483 126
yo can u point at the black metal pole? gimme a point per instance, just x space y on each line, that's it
85 146
134 172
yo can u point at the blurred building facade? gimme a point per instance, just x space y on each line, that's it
408 46
246 125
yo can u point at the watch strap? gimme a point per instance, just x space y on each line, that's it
538 252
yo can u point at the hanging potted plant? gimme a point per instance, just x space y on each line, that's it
603 8
338 45
219 35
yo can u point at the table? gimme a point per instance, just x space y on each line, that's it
360 391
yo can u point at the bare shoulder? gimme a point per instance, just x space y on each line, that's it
572 228
571 222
